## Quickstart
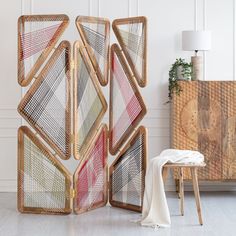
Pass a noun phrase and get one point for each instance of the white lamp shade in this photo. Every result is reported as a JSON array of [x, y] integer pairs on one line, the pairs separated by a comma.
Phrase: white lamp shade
[[196, 40]]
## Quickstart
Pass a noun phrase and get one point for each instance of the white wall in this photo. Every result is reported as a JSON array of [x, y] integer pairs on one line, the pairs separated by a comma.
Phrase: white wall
[[166, 20]]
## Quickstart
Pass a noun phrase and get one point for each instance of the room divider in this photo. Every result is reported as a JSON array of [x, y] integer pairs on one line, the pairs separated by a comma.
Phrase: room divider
[[64, 106]]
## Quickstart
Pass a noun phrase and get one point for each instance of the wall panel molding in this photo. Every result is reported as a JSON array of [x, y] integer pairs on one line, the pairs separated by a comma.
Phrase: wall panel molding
[[234, 38], [4, 137], [158, 116], [195, 14], [129, 8], [204, 28], [137, 5], [132, 8], [98, 10], [90, 7], [94, 8]]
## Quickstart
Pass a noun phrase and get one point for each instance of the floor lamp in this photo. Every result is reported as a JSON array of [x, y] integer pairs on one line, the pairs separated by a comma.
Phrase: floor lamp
[[196, 41]]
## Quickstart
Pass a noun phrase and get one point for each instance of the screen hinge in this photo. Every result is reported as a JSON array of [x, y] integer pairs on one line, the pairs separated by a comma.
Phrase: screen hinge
[[72, 64], [72, 138], [72, 193]]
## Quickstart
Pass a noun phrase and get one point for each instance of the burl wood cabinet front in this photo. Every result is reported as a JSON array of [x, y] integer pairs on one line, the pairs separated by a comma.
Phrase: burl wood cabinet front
[[203, 118]]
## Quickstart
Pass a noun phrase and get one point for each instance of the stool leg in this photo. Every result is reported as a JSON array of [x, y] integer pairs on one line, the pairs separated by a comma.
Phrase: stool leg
[[177, 186], [164, 173], [196, 193], [177, 181], [181, 190]]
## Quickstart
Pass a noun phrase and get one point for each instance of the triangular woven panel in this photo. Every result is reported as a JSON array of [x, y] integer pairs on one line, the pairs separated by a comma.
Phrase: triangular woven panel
[[131, 34], [127, 173], [37, 36], [46, 105], [89, 102], [127, 108], [43, 182], [90, 179], [95, 34]]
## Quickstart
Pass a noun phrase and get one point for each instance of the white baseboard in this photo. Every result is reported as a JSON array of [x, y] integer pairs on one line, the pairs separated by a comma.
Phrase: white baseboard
[[8, 185], [205, 186], [11, 186]]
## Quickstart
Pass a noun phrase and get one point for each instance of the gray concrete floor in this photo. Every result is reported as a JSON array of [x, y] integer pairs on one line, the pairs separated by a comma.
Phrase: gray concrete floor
[[218, 208]]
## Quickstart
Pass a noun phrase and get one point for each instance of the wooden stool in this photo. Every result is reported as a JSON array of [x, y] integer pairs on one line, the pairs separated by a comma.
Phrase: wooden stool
[[193, 169]]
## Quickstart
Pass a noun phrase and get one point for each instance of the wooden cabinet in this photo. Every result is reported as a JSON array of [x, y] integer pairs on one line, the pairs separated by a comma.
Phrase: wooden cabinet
[[204, 119]]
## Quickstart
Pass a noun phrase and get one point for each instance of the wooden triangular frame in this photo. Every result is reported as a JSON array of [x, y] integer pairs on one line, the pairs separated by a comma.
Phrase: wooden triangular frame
[[114, 149], [87, 156], [141, 78], [79, 50], [25, 79], [25, 131], [102, 77], [64, 45], [141, 131]]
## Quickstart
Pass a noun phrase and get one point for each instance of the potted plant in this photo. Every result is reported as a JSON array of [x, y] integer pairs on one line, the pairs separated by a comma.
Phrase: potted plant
[[180, 70]]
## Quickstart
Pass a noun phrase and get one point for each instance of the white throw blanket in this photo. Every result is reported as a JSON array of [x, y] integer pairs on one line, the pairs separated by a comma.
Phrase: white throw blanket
[[155, 209]]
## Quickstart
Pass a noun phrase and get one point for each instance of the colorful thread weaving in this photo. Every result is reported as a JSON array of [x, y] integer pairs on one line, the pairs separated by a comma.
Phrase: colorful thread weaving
[[91, 176], [43, 183], [90, 104], [37, 35], [126, 104], [127, 173], [95, 34], [46, 106], [131, 34]]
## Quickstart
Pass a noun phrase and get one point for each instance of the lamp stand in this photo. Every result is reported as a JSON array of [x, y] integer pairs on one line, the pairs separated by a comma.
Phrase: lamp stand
[[197, 67]]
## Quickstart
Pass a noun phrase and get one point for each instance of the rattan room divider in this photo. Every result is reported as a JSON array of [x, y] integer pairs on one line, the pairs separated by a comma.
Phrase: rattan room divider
[[65, 105]]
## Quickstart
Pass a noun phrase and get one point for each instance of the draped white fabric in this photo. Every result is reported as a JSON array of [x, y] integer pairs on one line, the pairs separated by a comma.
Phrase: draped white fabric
[[155, 209]]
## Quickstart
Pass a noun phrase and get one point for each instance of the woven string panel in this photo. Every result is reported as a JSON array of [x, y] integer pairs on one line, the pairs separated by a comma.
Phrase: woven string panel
[[43, 183], [95, 35], [37, 35], [127, 108], [127, 173], [90, 179], [89, 102], [204, 120], [131, 34], [46, 105]]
